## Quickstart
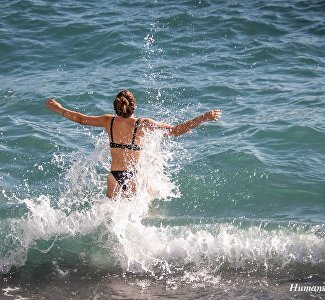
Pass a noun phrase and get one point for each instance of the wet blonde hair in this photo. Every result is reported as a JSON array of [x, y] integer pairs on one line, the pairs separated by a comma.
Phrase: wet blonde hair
[[124, 104]]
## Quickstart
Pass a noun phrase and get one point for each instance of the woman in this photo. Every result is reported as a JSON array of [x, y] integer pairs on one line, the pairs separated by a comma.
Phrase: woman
[[126, 135]]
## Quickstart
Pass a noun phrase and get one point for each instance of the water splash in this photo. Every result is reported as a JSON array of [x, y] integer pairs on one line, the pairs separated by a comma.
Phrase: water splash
[[81, 207], [119, 235]]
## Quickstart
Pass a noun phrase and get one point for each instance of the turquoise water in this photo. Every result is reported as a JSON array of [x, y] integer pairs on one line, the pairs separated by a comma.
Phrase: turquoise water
[[244, 195]]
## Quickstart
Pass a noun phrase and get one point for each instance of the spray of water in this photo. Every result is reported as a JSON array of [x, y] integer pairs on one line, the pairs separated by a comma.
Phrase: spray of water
[[120, 235], [81, 206]]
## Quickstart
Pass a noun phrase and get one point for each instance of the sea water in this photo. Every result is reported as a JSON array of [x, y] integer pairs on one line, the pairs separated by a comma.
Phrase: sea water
[[233, 210]]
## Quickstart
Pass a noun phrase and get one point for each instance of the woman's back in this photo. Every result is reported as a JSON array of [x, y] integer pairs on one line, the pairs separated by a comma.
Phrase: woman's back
[[125, 142]]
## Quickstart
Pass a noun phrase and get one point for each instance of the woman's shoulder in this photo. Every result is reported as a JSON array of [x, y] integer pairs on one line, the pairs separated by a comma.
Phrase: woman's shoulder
[[151, 124], [107, 117], [146, 122]]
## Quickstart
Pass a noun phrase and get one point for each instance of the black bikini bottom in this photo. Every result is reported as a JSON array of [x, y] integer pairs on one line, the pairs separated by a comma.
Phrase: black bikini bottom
[[122, 177]]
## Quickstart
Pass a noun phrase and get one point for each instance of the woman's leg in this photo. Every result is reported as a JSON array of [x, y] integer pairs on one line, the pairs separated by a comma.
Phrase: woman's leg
[[113, 186]]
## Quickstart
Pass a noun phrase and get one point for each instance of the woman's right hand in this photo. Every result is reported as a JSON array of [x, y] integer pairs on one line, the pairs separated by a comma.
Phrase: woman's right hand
[[213, 115]]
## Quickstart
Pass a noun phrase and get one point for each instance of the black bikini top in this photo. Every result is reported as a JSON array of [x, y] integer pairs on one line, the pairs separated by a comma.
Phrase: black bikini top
[[131, 146]]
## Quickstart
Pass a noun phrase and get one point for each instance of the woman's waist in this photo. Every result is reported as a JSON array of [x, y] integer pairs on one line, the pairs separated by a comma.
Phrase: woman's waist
[[123, 166]]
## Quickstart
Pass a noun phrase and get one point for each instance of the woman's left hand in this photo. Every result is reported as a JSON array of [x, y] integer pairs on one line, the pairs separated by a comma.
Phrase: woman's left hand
[[54, 106]]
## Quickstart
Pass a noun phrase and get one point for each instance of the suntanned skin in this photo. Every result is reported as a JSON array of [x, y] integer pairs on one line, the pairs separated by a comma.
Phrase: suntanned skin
[[124, 159]]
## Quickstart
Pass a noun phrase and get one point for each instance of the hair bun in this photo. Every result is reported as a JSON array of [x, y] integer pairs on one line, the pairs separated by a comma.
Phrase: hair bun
[[124, 104], [124, 101]]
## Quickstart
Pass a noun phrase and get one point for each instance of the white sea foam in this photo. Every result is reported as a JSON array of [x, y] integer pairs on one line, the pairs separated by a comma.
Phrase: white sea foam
[[145, 248]]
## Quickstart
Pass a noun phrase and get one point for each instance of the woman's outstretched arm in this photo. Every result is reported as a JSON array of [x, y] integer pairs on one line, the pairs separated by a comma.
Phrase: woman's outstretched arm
[[99, 121], [176, 130]]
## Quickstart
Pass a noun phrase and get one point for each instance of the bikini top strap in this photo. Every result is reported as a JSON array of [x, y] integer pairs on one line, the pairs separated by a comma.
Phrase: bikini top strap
[[112, 129], [135, 130]]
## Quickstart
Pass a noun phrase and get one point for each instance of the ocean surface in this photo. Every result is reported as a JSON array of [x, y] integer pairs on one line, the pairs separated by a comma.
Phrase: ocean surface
[[233, 210]]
